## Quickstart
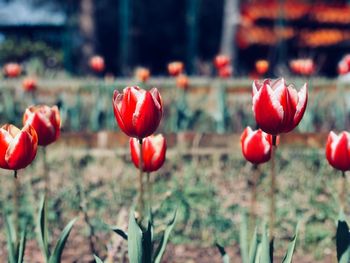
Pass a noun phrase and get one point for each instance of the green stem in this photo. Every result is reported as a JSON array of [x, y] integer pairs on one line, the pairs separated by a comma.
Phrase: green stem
[[141, 189], [256, 176], [16, 186], [150, 191], [273, 189], [46, 173], [342, 196]]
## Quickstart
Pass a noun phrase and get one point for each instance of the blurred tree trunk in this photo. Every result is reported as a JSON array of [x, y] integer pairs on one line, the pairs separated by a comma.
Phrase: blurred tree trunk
[[87, 31], [229, 27]]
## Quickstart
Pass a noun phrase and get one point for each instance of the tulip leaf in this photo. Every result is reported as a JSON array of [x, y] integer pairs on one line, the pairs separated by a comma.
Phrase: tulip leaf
[[120, 232], [162, 245], [57, 252], [253, 250], [265, 256], [11, 239], [21, 247], [134, 240], [289, 255], [343, 240], [97, 259], [147, 243], [243, 237], [224, 256], [43, 228]]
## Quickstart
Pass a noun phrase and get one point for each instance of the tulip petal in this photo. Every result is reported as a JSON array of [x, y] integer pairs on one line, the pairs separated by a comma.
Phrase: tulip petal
[[337, 151], [268, 110], [301, 106], [5, 139]]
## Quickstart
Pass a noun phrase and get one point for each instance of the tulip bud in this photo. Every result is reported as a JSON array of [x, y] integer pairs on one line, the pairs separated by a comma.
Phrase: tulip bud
[[256, 145], [46, 122], [221, 61], [138, 112], [142, 74], [17, 147], [97, 64], [12, 70], [29, 84], [278, 108], [175, 68], [153, 152], [338, 150]]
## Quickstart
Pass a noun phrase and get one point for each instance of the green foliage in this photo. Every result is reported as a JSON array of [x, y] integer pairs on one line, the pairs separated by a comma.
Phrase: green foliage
[[55, 255], [343, 240], [141, 241], [15, 247]]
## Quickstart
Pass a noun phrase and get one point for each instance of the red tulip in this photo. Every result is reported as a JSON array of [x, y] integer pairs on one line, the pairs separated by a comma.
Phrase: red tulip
[[137, 111], [261, 66], [343, 68], [142, 74], [225, 72], [175, 68], [278, 108], [97, 63], [29, 84], [256, 145], [17, 147], [338, 150], [221, 61], [153, 152], [302, 66], [46, 122], [182, 82], [12, 70]]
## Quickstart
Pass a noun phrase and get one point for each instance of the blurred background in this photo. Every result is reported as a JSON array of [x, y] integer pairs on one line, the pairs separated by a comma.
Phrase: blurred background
[[129, 33]]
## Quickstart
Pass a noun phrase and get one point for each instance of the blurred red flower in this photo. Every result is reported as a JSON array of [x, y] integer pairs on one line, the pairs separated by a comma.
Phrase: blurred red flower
[[12, 70], [153, 152], [221, 61], [262, 66], [138, 112], [45, 120], [304, 67], [142, 74], [225, 72], [97, 64], [278, 108], [256, 145], [182, 81], [338, 150], [175, 68], [29, 84], [17, 147]]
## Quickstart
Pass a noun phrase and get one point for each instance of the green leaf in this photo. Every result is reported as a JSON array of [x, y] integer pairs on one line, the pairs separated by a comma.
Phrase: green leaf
[[57, 252], [11, 239], [97, 259], [22, 245], [43, 228], [243, 238], [162, 245], [147, 243], [120, 232], [265, 247], [289, 255], [224, 256], [134, 240], [253, 250], [343, 240]]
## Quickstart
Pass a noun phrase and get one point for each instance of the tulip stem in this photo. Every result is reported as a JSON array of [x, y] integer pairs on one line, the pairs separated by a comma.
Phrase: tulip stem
[[273, 189], [46, 173], [16, 205], [256, 176], [342, 196], [141, 190], [150, 191]]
